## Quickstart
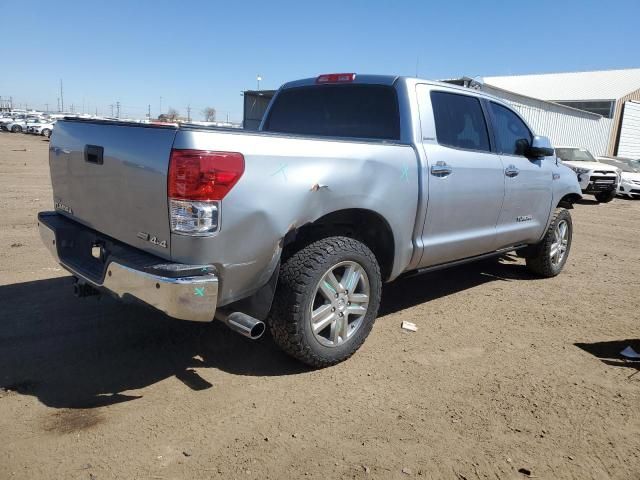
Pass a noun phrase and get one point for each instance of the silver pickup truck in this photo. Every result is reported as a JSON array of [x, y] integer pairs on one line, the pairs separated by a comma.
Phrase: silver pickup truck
[[352, 181]]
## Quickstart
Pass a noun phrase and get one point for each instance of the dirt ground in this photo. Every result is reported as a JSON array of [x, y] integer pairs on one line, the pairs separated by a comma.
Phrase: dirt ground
[[506, 371]]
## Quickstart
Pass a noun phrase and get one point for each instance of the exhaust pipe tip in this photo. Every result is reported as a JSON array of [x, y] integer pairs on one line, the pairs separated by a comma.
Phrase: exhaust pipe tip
[[243, 324]]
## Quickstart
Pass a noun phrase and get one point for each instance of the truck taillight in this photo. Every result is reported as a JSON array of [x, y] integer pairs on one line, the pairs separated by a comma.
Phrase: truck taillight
[[198, 180], [336, 78], [203, 175]]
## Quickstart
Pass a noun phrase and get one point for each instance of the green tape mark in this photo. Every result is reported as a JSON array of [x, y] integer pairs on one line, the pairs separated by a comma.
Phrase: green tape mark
[[405, 173], [199, 291], [283, 167]]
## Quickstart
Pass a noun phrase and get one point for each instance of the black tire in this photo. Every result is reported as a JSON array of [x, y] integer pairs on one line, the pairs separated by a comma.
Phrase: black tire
[[16, 129], [46, 132], [539, 259], [605, 197], [300, 275]]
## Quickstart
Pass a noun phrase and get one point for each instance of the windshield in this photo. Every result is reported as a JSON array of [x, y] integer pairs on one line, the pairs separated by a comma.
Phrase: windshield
[[574, 155], [631, 166]]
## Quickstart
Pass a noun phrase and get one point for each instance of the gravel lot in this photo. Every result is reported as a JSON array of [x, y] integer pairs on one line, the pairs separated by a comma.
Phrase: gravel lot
[[506, 371]]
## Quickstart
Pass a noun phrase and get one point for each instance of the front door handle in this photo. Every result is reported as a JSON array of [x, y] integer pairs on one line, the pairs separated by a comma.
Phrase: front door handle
[[511, 171], [441, 169]]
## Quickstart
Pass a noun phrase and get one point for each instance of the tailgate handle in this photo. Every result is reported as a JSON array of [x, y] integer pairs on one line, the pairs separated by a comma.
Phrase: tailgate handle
[[94, 154]]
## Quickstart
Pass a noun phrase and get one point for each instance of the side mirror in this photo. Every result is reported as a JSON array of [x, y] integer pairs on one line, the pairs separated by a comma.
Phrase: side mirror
[[540, 147]]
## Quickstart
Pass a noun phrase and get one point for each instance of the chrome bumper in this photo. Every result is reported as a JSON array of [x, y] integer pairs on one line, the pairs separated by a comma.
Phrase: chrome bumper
[[185, 298]]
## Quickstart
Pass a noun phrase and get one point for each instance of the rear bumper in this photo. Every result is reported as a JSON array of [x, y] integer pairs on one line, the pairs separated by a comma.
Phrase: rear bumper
[[127, 272]]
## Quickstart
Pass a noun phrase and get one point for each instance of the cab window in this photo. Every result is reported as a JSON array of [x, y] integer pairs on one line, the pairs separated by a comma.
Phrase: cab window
[[459, 121], [512, 135]]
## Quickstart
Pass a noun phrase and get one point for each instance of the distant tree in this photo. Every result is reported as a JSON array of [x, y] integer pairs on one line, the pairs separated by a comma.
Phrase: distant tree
[[172, 114], [209, 114]]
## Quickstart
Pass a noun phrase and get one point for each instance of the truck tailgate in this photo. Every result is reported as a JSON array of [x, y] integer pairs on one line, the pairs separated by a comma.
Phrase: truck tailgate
[[112, 177]]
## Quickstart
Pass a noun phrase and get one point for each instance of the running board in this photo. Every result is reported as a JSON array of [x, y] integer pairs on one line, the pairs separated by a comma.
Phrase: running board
[[455, 263]]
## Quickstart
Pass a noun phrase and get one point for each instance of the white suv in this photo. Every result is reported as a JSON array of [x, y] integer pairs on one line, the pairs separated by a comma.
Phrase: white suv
[[595, 178]]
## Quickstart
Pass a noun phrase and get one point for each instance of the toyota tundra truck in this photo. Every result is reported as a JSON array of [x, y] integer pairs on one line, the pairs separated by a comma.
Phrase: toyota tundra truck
[[351, 181]]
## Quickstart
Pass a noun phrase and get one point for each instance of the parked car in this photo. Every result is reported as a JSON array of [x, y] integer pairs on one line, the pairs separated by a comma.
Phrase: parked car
[[43, 129], [352, 181], [629, 185], [595, 178], [19, 126], [9, 118]]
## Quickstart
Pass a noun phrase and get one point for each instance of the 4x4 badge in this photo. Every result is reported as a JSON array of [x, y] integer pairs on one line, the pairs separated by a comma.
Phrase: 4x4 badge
[[152, 239]]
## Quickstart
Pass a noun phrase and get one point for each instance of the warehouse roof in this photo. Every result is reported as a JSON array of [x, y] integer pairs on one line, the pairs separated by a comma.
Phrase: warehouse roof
[[596, 85]]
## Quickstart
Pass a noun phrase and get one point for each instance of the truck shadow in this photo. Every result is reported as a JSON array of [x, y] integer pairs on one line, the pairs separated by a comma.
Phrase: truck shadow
[[72, 353]]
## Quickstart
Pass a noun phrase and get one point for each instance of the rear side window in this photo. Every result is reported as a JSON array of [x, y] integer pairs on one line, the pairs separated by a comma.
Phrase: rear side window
[[357, 111], [460, 122], [512, 135]]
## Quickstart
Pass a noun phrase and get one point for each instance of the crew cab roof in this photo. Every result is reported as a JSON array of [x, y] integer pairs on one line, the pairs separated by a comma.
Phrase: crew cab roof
[[389, 80], [360, 79]]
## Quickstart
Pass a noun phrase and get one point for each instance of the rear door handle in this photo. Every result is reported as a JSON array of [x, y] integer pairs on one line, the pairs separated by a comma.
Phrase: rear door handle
[[511, 171], [441, 169]]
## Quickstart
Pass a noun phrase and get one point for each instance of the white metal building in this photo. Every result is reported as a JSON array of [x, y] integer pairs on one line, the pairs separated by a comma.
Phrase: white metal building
[[563, 125], [613, 94]]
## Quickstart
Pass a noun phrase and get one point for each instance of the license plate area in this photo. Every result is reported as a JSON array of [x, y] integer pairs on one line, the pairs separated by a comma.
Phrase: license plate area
[[84, 251]]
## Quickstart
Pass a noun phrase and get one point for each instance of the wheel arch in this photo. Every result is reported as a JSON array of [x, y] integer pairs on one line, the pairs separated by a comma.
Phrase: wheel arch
[[568, 200], [365, 225]]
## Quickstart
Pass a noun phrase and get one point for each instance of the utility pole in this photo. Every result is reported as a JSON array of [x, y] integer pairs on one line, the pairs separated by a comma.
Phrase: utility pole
[[258, 78], [111, 105], [96, 111], [149, 111], [117, 109], [58, 104], [188, 113], [61, 96], [46, 107], [227, 117]]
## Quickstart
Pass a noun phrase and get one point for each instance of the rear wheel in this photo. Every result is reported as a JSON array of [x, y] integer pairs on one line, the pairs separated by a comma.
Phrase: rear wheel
[[16, 129], [46, 132], [326, 301], [605, 197], [549, 256]]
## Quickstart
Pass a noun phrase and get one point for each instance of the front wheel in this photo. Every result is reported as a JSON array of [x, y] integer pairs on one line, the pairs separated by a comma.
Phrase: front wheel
[[46, 132], [326, 301], [605, 197], [549, 256], [16, 129]]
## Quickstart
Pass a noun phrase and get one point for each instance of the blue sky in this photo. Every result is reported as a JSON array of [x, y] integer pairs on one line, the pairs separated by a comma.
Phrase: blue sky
[[204, 53]]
